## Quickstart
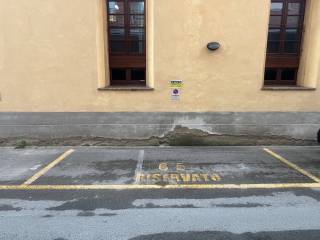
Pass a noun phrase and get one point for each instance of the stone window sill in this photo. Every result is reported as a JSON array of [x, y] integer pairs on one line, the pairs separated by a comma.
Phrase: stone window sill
[[287, 88], [126, 88]]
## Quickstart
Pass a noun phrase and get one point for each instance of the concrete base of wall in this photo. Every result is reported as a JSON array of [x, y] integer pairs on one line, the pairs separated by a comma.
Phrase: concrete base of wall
[[296, 125]]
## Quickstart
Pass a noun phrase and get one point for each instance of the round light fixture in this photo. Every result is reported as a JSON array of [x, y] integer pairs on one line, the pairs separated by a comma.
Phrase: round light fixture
[[212, 46]]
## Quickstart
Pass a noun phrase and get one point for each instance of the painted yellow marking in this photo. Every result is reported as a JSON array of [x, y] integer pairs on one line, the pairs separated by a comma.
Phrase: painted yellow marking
[[163, 167], [186, 178], [48, 167], [216, 178], [292, 165], [180, 167], [144, 187]]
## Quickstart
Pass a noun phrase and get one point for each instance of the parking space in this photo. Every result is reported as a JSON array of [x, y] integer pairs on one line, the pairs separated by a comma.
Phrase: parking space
[[19, 165], [223, 165], [127, 168], [308, 158], [94, 166]]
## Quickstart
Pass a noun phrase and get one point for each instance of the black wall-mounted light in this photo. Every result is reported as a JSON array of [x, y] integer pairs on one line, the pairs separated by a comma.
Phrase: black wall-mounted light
[[213, 46]]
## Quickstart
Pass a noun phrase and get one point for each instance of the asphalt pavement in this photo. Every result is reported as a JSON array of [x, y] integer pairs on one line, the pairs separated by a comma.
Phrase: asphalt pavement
[[207, 193]]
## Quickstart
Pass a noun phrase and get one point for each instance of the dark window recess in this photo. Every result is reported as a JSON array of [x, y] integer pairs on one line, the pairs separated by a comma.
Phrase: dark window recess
[[285, 74], [127, 42], [284, 41], [288, 74], [118, 74], [270, 74], [138, 74]]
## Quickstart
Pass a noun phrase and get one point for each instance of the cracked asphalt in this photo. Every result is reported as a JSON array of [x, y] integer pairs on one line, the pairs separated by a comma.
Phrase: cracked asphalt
[[151, 214]]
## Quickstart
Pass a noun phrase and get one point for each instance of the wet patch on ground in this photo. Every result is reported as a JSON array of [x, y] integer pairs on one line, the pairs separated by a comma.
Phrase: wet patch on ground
[[86, 214], [7, 207], [286, 235], [107, 214]]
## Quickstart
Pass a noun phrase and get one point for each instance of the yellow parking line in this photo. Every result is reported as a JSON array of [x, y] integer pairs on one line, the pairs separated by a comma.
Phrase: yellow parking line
[[48, 167], [146, 187], [292, 165]]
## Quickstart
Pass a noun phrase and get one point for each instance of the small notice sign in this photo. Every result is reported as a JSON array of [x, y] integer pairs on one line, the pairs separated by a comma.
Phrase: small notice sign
[[176, 88], [175, 94], [176, 83]]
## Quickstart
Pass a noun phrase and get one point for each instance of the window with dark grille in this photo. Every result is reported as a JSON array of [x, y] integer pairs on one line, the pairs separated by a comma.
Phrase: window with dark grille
[[284, 41], [127, 41]]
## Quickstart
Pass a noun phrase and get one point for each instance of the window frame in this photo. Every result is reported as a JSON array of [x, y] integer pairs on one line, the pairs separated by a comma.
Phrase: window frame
[[127, 60], [281, 60]]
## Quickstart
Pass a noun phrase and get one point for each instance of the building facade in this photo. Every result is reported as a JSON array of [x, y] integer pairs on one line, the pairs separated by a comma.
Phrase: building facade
[[140, 68]]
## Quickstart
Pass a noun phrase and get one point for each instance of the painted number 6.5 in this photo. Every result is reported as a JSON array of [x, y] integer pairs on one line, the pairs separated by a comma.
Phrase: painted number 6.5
[[164, 167]]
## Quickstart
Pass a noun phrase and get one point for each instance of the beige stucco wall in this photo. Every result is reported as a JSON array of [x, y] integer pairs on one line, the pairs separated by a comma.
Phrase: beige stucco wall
[[52, 57]]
